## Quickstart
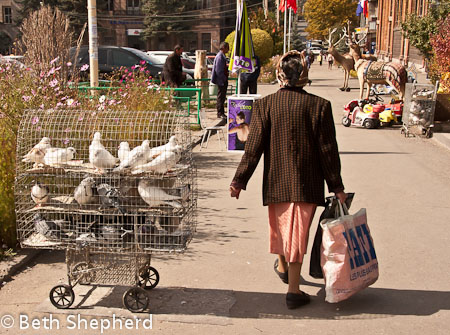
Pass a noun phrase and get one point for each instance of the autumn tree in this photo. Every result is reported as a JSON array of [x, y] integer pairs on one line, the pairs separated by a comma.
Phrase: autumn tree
[[441, 49], [269, 24], [324, 14], [159, 17]]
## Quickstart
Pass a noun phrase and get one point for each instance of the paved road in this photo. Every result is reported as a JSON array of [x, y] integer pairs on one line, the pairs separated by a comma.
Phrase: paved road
[[225, 283]]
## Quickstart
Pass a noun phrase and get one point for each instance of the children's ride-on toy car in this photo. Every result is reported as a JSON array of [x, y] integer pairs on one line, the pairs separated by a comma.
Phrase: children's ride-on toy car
[[357, 114]]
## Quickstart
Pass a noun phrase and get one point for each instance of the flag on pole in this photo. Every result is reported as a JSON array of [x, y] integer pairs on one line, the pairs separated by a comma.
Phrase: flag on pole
[[290, 4], [243, 52], [363, 8]]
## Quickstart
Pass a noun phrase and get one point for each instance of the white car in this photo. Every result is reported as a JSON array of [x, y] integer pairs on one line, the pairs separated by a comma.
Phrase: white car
[[315, 50]]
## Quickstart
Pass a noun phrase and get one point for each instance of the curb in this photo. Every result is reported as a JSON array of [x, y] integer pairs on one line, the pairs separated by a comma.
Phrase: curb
[[17, 263], [442, 139]]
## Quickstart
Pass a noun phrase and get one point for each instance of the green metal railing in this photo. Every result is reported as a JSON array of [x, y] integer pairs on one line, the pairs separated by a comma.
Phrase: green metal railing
[[182, 94]]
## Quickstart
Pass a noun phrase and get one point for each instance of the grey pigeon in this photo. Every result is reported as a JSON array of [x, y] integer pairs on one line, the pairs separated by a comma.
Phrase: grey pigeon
[[52, 229], [110, 196]]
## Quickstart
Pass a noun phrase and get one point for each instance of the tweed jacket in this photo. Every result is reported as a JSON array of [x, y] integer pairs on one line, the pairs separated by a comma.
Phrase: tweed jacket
[[295, 131]]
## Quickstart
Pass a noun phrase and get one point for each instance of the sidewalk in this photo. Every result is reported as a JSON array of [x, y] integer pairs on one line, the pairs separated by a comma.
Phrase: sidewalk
[[225, 284]]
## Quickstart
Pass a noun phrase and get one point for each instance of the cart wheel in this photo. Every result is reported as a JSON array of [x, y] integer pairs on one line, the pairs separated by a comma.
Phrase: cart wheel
[[135, 299], [149, 278], [429, 133], [62, 296], [85, 277]]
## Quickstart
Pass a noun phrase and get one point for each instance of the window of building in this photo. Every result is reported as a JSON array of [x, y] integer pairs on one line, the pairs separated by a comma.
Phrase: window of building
[[110, 5], [398, 12], [206, 42], [419, 7], [133, 7], [203, 4], [7, 15]]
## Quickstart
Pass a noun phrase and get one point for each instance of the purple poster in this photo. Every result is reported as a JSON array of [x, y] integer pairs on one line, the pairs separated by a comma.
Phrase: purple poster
[[239, 116]]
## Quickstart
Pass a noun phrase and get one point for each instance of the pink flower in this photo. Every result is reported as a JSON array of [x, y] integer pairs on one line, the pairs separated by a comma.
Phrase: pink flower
[[84, 67], [142, 69], [67, 130], [133, 67], [54, 60], [34, 120], [26, 98], [69, 63], [41, 106], [53, 83], [142, 62], [66, 141], [80, 118]]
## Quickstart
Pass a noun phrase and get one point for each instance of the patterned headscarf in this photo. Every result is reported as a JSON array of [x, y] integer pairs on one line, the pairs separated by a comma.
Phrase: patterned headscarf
[[281, 76]]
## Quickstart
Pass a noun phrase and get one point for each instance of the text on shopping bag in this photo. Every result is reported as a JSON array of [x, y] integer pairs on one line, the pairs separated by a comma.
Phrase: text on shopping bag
[[360, 246]]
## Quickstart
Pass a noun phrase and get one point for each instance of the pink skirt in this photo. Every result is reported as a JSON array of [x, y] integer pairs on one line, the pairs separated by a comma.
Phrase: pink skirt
[[289, 229]]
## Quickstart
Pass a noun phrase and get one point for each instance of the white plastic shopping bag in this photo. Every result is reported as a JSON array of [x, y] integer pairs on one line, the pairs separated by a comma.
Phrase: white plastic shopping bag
[[348, 259]]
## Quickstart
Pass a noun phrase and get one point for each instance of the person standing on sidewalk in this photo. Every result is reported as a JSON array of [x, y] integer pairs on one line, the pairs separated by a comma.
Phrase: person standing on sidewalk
[[249, 80], [295, 131], [173, 68], [330, 60], [219, 76]]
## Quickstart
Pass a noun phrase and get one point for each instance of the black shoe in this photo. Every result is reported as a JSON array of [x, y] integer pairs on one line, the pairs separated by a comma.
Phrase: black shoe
[[283, 276], [221, 116], [294, 300]]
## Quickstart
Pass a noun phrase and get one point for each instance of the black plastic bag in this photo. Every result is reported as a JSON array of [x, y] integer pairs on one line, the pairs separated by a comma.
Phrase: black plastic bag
[[315, 269]]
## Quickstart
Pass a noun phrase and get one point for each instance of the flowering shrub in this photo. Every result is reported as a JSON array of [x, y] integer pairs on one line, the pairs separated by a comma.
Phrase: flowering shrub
[[441, 50], [22, 89], [268, 74]]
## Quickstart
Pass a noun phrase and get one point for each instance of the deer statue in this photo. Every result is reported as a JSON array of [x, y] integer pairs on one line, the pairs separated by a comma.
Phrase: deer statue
[[371, 72], [346, 60]]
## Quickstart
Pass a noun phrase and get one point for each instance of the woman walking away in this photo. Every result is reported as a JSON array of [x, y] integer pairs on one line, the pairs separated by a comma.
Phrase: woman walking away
[[295, 131]]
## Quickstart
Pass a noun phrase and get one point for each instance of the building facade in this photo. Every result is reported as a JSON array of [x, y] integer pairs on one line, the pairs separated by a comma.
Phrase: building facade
[[8, 28], [390, 42], [122, 24]]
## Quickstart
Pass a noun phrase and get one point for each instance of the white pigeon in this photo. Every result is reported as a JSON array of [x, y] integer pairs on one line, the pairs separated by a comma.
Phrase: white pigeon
[[169, 146], [137, 156], [39, 193], [124, 151], [55, 156], [161, 164], [99, 157], [155, 196], [36, 155], [84, 193]]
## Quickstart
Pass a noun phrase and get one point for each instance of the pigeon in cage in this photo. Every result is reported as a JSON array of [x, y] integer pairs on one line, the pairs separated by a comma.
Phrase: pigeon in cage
[[110, 197], [52, 229], [56, 156], [124, 151], [162, 163], [169, 146], [85, 192], [99, 157], [155, 196], [36, 155], [137, 156], [39, 193]]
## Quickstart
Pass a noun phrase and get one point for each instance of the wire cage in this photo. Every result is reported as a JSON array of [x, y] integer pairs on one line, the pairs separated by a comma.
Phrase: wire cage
[[72, 189], [418, 114], [111, 188]]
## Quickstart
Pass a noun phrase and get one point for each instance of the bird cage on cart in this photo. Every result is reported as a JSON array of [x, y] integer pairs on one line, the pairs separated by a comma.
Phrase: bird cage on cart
[[418, 113], [109, 187]]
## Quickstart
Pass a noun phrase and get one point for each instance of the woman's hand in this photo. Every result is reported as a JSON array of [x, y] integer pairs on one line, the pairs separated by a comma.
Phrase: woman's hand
[[234, 192], [342, 196]]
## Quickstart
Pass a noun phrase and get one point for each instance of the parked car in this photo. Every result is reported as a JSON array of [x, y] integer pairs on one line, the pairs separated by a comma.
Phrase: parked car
[[315, 50], [111, 58], [14, 60]]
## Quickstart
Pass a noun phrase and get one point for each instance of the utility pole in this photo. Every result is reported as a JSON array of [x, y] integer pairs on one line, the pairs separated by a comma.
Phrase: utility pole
[[93, 42]]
